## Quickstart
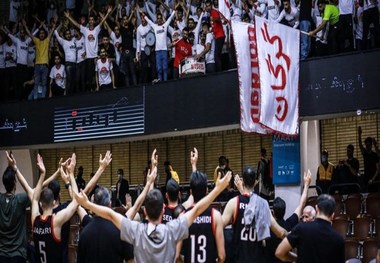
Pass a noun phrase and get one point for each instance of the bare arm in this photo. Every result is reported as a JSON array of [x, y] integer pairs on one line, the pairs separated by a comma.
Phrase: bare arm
[[306, 184], [202, 205], [284, 253], [103, 164], [72, 21], [194, 159], [277, 229], [37, 191], [151, 176], [362, 149], [219, 236], [229, 212]]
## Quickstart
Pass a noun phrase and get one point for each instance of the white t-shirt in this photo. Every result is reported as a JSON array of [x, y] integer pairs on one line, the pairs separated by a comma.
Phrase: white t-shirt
[[273, 10], [31, 56], [90, 40], [59, 75], [161, 32], [359, 25], [79, 43], [292, 18], [104, 71], [69, 47], [346, 7], [12, 51], [141, 33], [21, 49], [209, 57]]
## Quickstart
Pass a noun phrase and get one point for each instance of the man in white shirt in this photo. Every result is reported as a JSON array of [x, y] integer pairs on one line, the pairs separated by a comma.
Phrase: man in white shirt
[[160, 30], [80, 77], [142, 56], [70, 49], [22, 43], [105, 78], [57, 79], [90, 34], [290, 14]]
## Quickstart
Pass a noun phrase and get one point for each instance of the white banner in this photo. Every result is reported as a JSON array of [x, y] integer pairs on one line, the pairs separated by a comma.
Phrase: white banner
[[249, 78], [278, 56], [224, 8]]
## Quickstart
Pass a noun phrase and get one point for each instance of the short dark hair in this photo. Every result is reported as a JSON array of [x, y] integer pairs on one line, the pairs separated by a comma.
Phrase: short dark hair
[[368, 140], [153, 204], [326, 204], [351, 147], [279, 207], [249, 176], [55, 188], [198, 185], [9, 179], [172, 189], [46, 198], [102, 196]]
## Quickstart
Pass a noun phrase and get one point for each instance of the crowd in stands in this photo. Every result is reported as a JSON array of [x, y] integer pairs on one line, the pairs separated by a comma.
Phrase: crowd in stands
[[47, 49]]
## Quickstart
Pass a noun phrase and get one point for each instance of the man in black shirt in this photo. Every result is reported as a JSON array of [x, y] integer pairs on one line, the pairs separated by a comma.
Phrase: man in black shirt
[[128, 52], [347, 172], [315, 241], [100, 239]]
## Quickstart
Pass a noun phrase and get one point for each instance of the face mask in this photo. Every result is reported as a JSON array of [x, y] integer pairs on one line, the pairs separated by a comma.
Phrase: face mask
[[324, 159]]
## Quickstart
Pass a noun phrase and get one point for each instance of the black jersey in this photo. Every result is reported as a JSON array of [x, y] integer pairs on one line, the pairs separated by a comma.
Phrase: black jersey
[[245, 247], [48, 246], [200, 246], [168, 214]]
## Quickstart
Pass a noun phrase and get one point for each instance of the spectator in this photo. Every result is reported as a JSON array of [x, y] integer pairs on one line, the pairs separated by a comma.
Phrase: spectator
[[80, 79], [68, 44], [330, 16], [22, 43], [90, 34], [346, 13], [183, 49], [371, 160], [325, 172], [105, 78], [122, 188], [289, 15], [308, 214], [2, 67], [217, 29], [10, 55], [128, 53], [41, 65], [358, 23], [143, 57], [305, 26], [160, 30], [316, 241], [347, 171], [116, 41], [170, 172], [266, 187], [370, 16], [57, 86]]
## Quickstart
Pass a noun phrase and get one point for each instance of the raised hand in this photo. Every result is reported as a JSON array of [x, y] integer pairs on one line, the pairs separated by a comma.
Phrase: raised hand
[[154, 159], [72, 163], [223, 182], [11, 160], [40, 164], [238, 183], [106, 160], [81, 198], [194, 156], [65, 177], [307, 178]]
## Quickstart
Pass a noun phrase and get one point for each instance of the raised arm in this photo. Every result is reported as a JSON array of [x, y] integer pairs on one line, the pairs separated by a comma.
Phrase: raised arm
[[170, 18], [27, 29], [140, 200], [37, 191], [75, 23], [109, 11], [219, 236], [360, 132], [306, 184], [12, 163], [194, 159], [64, 215], [103, 164], [284, 252], [202, 205]]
